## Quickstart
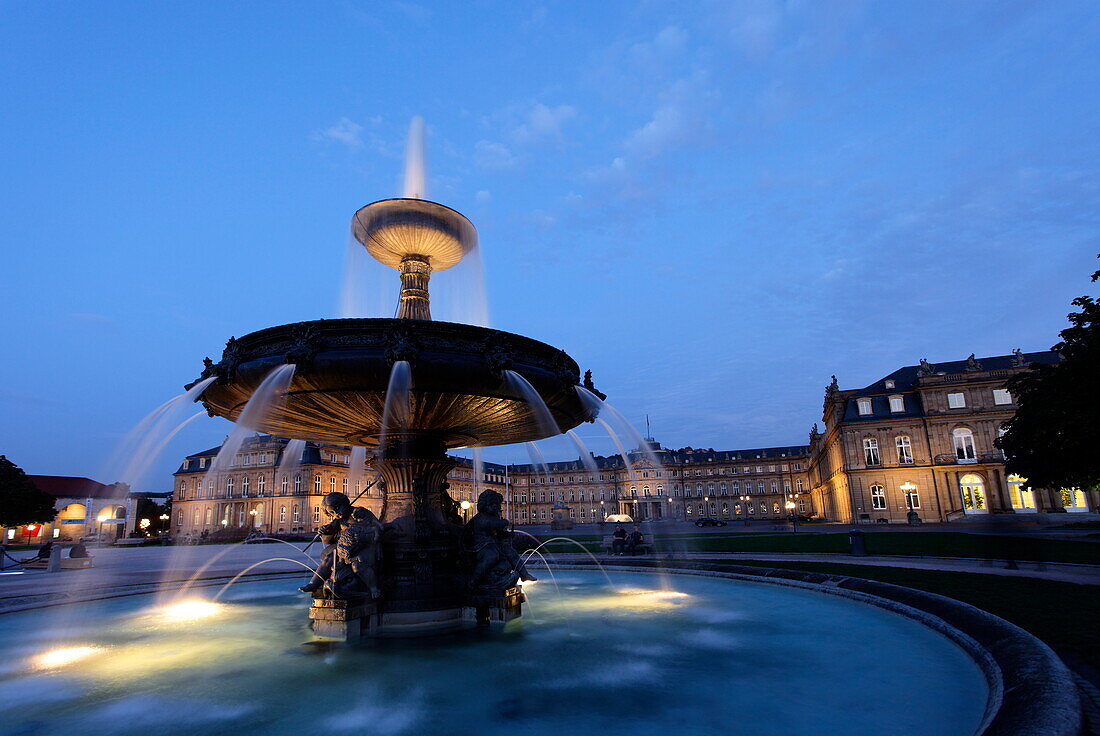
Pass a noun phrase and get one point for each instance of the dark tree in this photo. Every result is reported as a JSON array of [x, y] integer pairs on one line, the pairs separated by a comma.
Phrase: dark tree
[[21, 502], [1051, 439]]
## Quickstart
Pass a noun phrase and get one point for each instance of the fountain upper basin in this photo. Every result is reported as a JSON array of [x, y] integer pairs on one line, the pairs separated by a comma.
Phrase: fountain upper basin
[[459, 395]]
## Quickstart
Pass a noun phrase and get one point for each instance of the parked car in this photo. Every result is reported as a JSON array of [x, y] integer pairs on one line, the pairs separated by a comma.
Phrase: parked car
[[709, 522]]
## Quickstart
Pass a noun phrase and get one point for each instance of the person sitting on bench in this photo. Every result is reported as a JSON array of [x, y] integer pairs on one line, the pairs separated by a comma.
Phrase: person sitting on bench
[[633, 541], [43, 554], [618, 541]]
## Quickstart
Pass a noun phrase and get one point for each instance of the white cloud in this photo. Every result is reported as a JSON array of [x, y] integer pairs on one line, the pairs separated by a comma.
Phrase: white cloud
[[680, 118], [493, 155], [543, 124], [346, 132], [483, 196]]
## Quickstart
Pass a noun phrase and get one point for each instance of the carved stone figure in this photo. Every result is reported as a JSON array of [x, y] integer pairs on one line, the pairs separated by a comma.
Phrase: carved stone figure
[[1018, 358], [926, 368], [350, 560], [496, 564], [972, 363]]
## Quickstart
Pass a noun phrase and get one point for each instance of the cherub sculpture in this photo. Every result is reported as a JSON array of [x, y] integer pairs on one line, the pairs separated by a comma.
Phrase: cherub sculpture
[[351, 559], [496, 564]]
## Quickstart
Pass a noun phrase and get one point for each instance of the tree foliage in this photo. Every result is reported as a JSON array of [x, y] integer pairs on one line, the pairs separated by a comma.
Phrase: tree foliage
[[21, 501], [1051, 439]]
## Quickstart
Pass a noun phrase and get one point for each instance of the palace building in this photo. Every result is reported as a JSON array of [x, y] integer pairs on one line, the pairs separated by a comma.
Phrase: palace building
[[922, 439], [262, 489], [919, 440]]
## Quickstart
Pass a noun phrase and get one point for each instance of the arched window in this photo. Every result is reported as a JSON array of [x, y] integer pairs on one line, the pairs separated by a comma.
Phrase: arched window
[[229, 487], [878, 498], [972, 489], [297, 514], [797, 485], [964, 445], [244, 486], [282, 514], [905, 450]]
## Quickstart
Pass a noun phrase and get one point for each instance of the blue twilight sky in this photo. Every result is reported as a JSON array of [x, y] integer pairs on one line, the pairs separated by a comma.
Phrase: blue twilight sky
[[714, 206]]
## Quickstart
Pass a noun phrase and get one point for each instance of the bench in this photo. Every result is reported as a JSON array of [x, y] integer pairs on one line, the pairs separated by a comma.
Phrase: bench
[[645, 548]]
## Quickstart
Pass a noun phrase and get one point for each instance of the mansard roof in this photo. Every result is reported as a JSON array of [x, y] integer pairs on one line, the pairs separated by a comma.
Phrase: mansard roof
[[905, 378], [906, 381]]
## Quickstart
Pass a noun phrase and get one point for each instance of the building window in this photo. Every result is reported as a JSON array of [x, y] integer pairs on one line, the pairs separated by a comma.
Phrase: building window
[[1001, 396], [179, 518], [863, 406], [282, 514], [972, 489], [897, 404], [870, 452], [1022, 497], [964, 445], [798, 484], [209, 514], [905, 450], [317, 484], [888, 383], [316, 514], [261, 484], [229, 487], [956, 400], [763, 508], [801, 505], [244, 486], [297, 484], [331, 485], [912, 500], [878, 498], [297, 514], [1073, 499]]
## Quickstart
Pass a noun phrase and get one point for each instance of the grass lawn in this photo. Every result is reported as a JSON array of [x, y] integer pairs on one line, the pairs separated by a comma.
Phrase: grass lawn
[[931, 544]]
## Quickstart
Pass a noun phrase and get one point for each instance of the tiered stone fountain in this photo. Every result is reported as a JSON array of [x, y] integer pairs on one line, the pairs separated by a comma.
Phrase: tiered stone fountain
[[459, 397]]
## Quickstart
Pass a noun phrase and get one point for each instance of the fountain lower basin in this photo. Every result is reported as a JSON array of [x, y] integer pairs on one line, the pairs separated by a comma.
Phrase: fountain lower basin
[[648, 654], [459, 394]]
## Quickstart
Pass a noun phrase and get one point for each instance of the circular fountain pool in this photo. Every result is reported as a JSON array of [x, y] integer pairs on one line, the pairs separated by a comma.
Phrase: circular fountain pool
[[646, 654]]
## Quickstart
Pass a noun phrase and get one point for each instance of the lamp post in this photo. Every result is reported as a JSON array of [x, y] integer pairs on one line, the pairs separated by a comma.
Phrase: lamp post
[[252, 513], [745, 500], [790, 511], [910, 488], [465, 506]]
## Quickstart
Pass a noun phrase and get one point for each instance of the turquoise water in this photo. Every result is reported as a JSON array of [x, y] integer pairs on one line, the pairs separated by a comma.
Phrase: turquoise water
[[680, 654]]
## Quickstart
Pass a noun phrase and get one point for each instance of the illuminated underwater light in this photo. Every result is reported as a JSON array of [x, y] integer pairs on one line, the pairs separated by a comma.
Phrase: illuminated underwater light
[[63, 656], [189, 610]]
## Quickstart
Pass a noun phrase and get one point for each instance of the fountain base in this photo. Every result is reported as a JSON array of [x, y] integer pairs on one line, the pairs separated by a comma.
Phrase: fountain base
[[342, 620]]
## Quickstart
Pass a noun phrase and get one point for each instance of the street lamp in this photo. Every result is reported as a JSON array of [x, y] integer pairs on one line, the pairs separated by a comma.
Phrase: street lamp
[[790, 511], [745, 500], [910, 490], [465, 506]]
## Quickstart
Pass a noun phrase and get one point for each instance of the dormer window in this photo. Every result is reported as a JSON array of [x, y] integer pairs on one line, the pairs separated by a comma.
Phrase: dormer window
[[888, 384], [897, 404], [864, 407], [956, 400]]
